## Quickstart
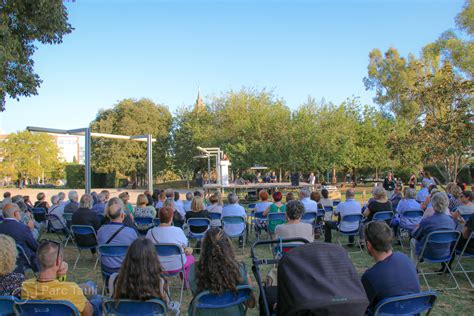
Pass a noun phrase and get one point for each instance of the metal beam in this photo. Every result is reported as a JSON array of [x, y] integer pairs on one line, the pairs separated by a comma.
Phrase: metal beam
[[87, 176], [149, 160]]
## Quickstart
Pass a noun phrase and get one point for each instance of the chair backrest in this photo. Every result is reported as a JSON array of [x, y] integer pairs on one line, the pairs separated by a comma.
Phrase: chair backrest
[[309, 216], [412, 214], [251, 206], [6, 305], [144, 220], [22, 253], [206, 300], [276, 216], [113, 250], [382, 216], [336, 202], [351, 218], [83, 230], [130, 307], [55, 222], [441, 237], [67, 216], [198, 222], [47, 308], [215, 216], [260, 216], [466, 217], [412, 304], [39, 214], [156, 222], [328, 208]]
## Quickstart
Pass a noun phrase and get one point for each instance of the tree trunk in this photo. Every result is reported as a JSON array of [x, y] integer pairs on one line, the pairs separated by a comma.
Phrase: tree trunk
[[354, 176], [334, 178]]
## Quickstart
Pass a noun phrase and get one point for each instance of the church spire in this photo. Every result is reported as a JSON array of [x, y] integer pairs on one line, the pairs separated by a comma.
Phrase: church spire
[[199, 104]]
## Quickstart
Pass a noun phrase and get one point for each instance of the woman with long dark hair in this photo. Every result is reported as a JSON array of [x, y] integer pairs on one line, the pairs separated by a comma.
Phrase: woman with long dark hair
[[218, 271], [140, 276]]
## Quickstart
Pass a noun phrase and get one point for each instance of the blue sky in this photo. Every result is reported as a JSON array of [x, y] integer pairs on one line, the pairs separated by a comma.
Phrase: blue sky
[[165, 50]]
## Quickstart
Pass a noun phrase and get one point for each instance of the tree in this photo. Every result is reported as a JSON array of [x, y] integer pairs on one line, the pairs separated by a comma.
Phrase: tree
[[22, 23], [131, 117], [28, 156]]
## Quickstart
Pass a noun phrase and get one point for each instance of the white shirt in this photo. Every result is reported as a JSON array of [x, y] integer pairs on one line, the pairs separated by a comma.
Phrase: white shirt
[[349, 207], [169, 235], [310, 206], [234, 210], [187, 206], [179, 207], [422, 195], [262, 206]]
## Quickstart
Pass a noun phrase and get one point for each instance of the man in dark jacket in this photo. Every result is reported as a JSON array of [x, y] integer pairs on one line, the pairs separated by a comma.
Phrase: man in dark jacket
[[22, 235], [85, 216]]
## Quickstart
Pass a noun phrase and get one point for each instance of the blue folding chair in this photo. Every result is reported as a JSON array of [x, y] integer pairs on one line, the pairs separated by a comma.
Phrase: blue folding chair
[[129, 307], [156, 222], [276, 217], [233, 221], [143, 224], [328, 209], [466, 217], [216, 217], [171, 250], [464, 254], [6, 305], [412, 304], [110, 251], [46, 308], [207, 301], [350, 219], [335, 202], [22, 254], [83, 230], [195, 223], [58, 227], [39, 214], [260, 223], [68, 218], [413, 215], [309, 217], [251, 207], [383, 216], [446, 238]]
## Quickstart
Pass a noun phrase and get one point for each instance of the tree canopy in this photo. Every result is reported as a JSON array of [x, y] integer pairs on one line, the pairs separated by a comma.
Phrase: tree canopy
[[22, 23]]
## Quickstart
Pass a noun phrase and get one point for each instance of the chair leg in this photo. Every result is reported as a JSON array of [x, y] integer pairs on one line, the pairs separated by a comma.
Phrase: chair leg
[[453, 277], [464, 271], [77, 259], [96, 262], [424, 278]]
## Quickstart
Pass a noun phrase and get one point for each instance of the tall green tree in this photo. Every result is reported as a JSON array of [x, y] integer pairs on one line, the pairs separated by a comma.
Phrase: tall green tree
[[131, 117], [23, 23], [29, 156]]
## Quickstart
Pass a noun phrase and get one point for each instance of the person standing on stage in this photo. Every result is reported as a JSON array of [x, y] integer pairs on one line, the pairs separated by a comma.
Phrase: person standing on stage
[[389, 185]]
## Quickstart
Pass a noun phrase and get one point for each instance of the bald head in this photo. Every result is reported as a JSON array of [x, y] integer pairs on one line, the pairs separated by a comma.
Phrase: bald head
[[114, 212], [11, 210]]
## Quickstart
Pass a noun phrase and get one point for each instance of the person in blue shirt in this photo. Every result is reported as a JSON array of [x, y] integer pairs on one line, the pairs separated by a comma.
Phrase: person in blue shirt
[[438, 221], [393, 274], [115, 233]]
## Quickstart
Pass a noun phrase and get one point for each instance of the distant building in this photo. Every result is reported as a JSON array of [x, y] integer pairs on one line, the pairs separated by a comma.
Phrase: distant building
[[199, 105], [71, 147]]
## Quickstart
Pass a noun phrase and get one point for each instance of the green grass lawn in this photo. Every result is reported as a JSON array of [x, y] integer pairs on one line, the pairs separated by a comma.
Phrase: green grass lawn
[[452, 302]]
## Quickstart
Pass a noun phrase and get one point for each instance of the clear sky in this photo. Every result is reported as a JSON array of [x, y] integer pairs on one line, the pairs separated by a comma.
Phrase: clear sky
[[165, 50]]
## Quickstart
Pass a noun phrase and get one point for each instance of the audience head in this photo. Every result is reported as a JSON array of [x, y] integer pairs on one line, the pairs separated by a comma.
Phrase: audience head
[[140, 275], [26, 199], [198, 193], [432, 187], [124, 196], [170, 203], [456, 192], [440, 202], [232, 198], [107, 194], [7, 195], [197, 204], [55, 200], [86, 201], [217, 270], [22, 205], [61, 196], [73, 196], [17, 198], [304, 193], [466, 197], [115, 213], [11, 210], [294, 210], [378, 237], [263, 195], [315, 196], [176, 195], [398, 188], [166, 214], [8, 254], [325, 193], [424, 184], [189, 196], [101, 198], [410, 194], [142, 200], [277, 196], [169, 193], [50, 256], [290, 196], [162, 196], [213, 199], [350, 193], [41, 196], [156, 194], [114, 201], [379, 193]]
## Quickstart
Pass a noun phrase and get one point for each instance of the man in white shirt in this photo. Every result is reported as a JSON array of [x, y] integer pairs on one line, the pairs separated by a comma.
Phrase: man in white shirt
[[349, 207], [423, 193], [310, 206], [234, 209]]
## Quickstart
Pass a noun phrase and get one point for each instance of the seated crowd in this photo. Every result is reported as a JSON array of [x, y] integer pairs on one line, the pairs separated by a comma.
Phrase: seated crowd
[[141, 275]]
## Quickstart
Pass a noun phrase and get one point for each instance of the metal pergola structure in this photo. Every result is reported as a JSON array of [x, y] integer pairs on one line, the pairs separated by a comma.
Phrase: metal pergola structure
[[209, 152], [86, 132]]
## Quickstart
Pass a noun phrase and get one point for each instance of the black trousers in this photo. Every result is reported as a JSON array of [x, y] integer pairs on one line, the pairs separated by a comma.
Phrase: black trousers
[[328, 227]]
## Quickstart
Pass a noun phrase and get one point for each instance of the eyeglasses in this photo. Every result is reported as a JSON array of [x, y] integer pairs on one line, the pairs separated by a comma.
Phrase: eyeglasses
[[48, 241]]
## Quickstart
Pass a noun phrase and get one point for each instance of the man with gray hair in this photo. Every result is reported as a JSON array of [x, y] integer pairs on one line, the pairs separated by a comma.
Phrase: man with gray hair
[[234, 209], [438, 221], [72, 205], [13, 227], [310, 206], [349, 207]]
